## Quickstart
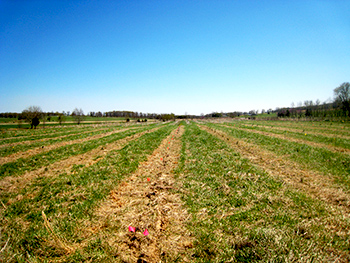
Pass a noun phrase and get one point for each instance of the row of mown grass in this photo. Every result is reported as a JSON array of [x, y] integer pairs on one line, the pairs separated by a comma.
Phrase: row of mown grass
[[336, 165], [8, 150], [45, 158], [302, 134], [336, 128], [69, 201], [241, 214], [12, 136]]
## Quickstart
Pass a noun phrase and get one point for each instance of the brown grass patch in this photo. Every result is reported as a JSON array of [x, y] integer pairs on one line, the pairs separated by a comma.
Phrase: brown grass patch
[[284, 137], [14, 184], [320, 131], [146, 200], [38, 150], [45, 139], [310, 182]]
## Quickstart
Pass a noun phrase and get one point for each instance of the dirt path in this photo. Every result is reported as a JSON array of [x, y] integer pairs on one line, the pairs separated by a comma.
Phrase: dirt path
[[145, 200], [310, 182], [284, 137], [38, 150], [14, 184]]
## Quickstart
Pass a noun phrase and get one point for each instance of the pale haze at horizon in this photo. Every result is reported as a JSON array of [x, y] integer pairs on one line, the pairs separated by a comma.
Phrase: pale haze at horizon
[[171, 56]]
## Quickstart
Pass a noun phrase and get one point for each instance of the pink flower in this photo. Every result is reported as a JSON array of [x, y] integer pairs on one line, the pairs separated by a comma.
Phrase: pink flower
[[131, 229], [145, 233]]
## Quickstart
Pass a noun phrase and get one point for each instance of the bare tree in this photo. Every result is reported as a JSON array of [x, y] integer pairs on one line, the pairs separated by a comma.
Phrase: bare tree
[[78, 115], [61, 118], [342, 96], [32, 115]]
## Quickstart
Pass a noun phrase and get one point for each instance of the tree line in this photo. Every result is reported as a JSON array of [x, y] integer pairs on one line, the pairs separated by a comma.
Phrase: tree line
[[338, 108]]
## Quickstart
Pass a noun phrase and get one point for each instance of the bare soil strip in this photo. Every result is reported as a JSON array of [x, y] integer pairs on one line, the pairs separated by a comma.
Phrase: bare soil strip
[[145, 200], [310, 182], [283, 137], [47, 139], [15, 156], [14, 184]]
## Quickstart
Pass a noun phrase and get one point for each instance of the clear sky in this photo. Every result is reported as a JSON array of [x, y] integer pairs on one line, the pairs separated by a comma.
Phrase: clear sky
[[171, 56]]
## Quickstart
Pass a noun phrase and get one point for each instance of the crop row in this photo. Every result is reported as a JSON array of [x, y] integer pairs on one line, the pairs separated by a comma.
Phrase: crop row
[[334, 164], [239, 211], [68, 199]]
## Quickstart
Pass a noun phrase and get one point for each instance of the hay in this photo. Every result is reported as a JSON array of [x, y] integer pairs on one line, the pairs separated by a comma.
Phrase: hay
[[59, 243], [310, 182], [151, 205]]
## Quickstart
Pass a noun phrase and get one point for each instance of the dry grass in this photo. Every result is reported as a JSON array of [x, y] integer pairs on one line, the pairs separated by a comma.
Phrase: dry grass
[[313, 144], [32, 152], [312, 183], [145, 200], [14, 184], [56, 242]]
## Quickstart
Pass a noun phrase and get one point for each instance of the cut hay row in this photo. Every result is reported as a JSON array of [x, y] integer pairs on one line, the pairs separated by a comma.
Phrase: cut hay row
[[204, 192], [313, 131], [331, 164], [50, 147], [310, 182], [29, 134], [15, 184], [322, 127], [240, 213], [21, 165], [48, 219], [289, 138], [145, 200], [50, 138]]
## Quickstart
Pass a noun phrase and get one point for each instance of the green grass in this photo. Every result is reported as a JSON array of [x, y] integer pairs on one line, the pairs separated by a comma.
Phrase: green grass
[[240, 214], [313, 158], [11, 123], [22, 165], [304, 135], [68, 201], [38, 141], [31, 135]]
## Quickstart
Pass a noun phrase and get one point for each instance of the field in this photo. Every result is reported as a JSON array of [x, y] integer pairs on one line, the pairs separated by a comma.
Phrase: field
[[7, 123], [189, 191]]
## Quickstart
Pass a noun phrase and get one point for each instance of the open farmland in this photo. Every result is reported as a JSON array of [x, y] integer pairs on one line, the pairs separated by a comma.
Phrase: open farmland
[[238, 191]]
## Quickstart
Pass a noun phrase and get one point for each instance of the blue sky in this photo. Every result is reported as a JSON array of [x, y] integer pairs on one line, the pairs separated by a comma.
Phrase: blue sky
[[171, 56]]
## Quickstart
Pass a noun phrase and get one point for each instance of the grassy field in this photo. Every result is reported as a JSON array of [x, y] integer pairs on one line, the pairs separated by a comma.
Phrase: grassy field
[[10, 123], [239, 191]]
